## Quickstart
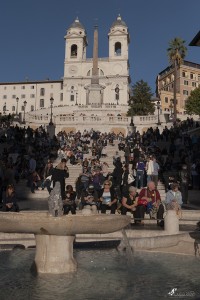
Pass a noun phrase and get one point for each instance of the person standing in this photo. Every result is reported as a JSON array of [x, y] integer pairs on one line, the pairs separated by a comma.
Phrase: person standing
[[156, 169], [184, 182], [126, 154], [149, 168], [140, 169], [59, 173]]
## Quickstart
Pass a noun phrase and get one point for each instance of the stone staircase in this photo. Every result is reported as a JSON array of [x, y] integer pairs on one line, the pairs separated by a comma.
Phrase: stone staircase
[[39, 200], [24, 193]]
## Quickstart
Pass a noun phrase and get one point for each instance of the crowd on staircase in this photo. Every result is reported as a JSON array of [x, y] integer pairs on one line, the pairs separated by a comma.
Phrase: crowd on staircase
[[105, 171]]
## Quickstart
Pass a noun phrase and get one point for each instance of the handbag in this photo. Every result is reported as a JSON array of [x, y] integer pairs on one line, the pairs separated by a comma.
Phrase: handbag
[[130, 178], [142, 202]]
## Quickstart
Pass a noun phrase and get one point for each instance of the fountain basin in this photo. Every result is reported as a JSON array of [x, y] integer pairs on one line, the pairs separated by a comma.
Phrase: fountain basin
[[44, 223], [54, 236]]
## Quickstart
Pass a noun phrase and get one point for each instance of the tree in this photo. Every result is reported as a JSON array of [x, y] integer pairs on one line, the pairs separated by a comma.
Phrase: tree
[[140, 100], [192, 104], [176, 53]]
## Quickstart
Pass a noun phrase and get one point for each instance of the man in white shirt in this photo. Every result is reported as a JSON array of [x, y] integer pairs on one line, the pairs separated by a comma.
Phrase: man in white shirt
[[156, 169]]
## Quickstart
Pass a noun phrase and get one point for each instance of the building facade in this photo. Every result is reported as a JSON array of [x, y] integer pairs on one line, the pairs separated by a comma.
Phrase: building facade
[[113, 74], [188, 78]]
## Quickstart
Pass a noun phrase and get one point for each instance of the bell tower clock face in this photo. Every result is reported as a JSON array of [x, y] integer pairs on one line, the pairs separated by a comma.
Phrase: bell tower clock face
[[73, 69]]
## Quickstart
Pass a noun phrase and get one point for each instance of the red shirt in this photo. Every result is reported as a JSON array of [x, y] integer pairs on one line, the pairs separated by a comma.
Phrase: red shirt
[[154, 195]]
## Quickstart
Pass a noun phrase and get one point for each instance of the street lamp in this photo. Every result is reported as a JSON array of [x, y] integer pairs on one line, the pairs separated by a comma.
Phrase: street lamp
[[24, 122], [4, 108], [158, 108], [117, 94], [17, 100], [51, 101], [76, 99], [131, 104], [171, 108]]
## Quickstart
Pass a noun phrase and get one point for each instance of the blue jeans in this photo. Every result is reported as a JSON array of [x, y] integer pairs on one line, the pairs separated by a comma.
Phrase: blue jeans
[[139, 178]]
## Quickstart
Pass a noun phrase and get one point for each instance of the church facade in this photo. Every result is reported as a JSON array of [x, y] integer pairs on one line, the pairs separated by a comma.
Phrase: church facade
[[73, 89]]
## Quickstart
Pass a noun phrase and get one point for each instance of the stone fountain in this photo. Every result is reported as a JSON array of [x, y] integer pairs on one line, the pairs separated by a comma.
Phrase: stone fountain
[[55, 233]]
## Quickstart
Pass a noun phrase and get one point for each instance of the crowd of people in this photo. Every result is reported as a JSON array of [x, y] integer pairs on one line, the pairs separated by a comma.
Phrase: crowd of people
[[132, 185]]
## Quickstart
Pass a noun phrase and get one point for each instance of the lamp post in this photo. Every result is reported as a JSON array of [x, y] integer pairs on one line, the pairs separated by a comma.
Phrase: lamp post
[[117, 94], [24, 121], [76, 99], [51, 101], [131, 104], [158, 108], [17, 100], [171, 108], [4, 108]]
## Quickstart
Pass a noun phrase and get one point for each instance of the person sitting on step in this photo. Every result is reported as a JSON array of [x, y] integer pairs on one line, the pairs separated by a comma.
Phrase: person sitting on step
[[69, 203], [149, 201], [89, 198], [108, 198], [130, 202]]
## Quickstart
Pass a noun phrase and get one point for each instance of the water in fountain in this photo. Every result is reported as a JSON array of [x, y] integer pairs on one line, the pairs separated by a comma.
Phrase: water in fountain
[[102, 274], [125, 245]]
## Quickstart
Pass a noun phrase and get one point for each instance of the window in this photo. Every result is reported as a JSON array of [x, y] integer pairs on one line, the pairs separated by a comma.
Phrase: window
[[61, 96], [41, 102], [32, 107], [118, 48], [32, 87], [185, 82], [194, 84], [61, 85], [22, 108], [5, 87], [185, 92], [32, 95], [42, 92], [183, 74], [71, 97], [23, 96], [4, 96], [191, 76], [51, 86], [13, 108], [14, 87], [198, 77], [13, 96], [74, 50], [23, 87], [117, 92], [166, 99]]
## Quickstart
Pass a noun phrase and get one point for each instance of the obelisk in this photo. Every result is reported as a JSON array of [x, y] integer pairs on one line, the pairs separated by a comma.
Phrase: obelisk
[[95, 75], [94, 94]]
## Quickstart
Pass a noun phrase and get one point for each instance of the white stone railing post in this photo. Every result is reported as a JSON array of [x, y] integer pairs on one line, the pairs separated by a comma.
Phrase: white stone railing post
[[171, 222]]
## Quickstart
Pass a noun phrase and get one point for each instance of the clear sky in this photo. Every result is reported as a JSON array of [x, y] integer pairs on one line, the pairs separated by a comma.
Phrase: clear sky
[[32, 34]]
